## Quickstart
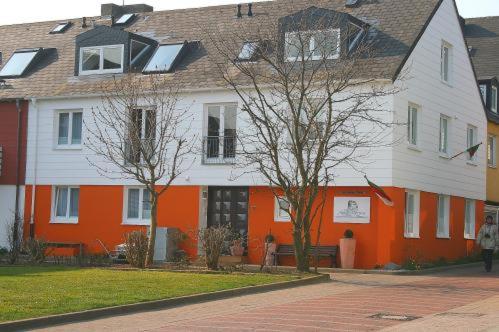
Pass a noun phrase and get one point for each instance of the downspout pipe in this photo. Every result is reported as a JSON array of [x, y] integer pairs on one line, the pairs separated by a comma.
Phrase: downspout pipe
[[34, 106], [17, 218]]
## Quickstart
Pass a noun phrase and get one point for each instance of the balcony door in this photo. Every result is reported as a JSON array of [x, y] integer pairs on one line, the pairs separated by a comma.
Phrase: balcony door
[[220, 133]]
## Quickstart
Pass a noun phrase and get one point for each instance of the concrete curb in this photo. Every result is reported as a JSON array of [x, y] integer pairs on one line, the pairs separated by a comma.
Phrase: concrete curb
[[405, 272], [47, 321]]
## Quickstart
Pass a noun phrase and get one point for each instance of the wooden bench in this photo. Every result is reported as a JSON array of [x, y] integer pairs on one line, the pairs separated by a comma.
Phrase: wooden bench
[[74, 245], [322, 251]]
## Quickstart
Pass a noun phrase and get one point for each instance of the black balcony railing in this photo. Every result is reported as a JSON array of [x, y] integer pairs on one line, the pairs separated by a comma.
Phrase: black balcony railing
[[219, 149]]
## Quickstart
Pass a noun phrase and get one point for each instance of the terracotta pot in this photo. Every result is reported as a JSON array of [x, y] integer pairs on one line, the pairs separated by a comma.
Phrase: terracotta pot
[[236, 250], [347, 253], [270, 248]]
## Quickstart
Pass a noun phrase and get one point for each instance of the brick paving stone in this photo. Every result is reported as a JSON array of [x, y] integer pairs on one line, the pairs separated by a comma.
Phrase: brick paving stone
[[466, 299]]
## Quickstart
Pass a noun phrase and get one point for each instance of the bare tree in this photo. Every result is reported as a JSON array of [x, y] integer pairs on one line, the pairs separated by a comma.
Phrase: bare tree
[[140, 133], [309, 102]]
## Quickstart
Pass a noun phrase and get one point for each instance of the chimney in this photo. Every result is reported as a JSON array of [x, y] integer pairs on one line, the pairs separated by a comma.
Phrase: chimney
[[250, 11], [83, 22], [239, 14], [111, 9]]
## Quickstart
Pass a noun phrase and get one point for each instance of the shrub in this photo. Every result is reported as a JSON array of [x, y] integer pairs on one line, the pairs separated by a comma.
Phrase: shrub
[[36, 250], [213, 240], [14, 239], [348, 234], [136, 248]]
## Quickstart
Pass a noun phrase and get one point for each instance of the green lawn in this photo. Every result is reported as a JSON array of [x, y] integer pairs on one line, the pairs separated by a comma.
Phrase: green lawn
[[27, 292]]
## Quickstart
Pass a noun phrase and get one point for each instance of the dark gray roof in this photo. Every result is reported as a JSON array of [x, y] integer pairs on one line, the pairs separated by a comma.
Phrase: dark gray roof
[[399, 24], [482, 36]]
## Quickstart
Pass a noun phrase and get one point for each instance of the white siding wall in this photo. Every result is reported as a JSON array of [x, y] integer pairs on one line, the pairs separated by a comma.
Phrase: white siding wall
[[425, 169], [59, 167], [7, 208]]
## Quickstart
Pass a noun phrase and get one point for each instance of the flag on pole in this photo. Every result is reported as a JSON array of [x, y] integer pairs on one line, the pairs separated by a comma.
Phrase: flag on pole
[[380, 192], [471, 150]]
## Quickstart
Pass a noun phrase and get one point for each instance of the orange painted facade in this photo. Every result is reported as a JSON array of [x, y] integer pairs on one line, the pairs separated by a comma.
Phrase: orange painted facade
[[379, 242]]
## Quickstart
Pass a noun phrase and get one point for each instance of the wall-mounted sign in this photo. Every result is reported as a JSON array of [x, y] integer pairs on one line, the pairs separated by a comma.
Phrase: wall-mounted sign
[[352, 210]]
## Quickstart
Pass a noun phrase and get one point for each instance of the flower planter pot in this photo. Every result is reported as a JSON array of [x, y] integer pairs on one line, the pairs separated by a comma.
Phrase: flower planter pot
[[270, 248], [347, 253], [236, 250]]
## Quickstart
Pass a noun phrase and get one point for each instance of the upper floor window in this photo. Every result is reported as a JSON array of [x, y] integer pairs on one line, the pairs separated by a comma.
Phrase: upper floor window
[[69, 128], [443, 216], [471, 139], [220, 138], [491, 151], [281, 209], [411, 225], [413, 116], [469, 219], [483, 91], [493, 99], [443, 145], [446, 62], [137, 206], [66, 204], [312, 45], [141, 134], [101, 59]]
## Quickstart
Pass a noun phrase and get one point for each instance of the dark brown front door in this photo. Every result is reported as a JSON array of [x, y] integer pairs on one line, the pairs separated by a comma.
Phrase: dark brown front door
[[229, 206]]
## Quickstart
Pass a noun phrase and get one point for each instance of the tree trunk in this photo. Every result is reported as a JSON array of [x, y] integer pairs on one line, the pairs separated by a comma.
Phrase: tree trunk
[[152, 237], [301, 251]]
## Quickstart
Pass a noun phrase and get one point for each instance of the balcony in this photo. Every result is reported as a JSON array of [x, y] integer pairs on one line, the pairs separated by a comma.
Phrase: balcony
[[219, 150]]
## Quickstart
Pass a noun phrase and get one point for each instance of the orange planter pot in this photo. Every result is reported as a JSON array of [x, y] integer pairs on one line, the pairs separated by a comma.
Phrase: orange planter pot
[[347, 253]]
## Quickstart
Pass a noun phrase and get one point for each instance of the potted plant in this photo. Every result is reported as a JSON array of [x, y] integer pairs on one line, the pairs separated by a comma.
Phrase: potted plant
[[347, 250], [270, 248], [237, 248]]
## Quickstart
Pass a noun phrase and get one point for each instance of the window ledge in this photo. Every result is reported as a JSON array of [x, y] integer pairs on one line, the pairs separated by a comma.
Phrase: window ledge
[[446, 83], [136, 223], [409, 236], [471, 163], [413, 147], [69, 147], [444, 155], [282, 220], [469, 237], [492, 166], [64, 221], [443, 237]]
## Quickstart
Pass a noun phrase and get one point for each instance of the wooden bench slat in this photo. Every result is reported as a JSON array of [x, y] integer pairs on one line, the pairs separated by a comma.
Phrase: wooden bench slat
[[322, 251]]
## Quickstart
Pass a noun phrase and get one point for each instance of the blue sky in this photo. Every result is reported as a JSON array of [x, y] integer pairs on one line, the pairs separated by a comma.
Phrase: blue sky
[[20, 11]]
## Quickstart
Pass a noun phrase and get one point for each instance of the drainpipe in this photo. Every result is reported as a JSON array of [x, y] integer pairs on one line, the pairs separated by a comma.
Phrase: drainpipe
[[18, 166], [35, 162]]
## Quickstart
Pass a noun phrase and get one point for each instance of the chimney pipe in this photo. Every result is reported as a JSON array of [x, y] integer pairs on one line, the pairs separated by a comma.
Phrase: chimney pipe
[[112, 20], [239, 15], [250, 11], [83, 22]]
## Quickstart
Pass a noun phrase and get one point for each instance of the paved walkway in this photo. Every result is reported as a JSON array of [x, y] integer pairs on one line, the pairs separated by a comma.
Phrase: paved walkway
[[458, 300]]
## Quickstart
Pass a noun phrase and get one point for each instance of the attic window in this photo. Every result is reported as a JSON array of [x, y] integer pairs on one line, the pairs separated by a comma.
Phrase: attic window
[[137, 50], [125, 19], [60, 27], [164, 58], [355, 36], [101, 59], [248, 51], [312, 45], [18, 63]]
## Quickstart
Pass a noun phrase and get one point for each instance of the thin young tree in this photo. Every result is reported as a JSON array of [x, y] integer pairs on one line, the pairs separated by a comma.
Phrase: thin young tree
[[140, 133], [309, 102]]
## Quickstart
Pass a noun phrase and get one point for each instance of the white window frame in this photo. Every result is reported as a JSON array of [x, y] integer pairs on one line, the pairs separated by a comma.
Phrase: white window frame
[[279, 214], [449, 47], [410, 127], [492, 151], [469, 224], [69, 145], [67, 219], [140, 221], [444, 152], [471, 160], [444, 221], [101, 69], [493, 99], [141, 53], [483, 91], [415, 226], [312, 45]]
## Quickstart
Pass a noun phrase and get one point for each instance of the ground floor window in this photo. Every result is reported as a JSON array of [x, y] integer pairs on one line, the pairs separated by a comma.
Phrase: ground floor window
[[411, 225], [443, 216], [281, 209], [137, 206], [65, 204], [469, 219]]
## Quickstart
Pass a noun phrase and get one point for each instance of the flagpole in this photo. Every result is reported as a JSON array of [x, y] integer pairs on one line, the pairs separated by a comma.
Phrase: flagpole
[[467, 150]]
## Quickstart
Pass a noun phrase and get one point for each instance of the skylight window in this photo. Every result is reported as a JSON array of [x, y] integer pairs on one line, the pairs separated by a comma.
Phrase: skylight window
[[248, 51], [61, 27], [164, 58], [125, 19], [19, 62]]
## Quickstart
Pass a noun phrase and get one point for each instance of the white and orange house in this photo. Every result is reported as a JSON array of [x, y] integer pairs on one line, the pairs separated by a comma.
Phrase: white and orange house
[[438, 200]]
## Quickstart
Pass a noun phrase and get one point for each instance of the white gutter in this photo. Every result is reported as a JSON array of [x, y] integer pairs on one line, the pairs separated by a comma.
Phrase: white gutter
[[35, 163]]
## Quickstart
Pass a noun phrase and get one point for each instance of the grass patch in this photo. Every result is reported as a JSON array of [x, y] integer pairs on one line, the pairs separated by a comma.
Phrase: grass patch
[[27, 292]]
